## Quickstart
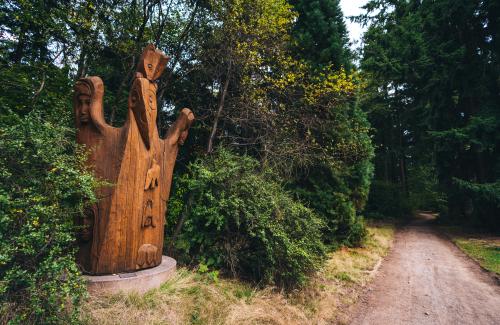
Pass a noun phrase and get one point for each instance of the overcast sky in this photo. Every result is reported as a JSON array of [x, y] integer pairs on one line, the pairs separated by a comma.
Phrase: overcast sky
[[352, 8]]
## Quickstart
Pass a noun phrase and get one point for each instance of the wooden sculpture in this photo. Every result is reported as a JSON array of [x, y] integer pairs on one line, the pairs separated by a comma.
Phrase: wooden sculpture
[[123, 232]]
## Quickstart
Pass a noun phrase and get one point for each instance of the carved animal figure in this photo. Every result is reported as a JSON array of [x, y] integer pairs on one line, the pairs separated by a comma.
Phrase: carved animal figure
[[127, 223]]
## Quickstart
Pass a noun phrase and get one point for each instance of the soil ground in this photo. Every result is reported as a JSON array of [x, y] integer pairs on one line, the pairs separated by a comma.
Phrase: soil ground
[[428, 280]]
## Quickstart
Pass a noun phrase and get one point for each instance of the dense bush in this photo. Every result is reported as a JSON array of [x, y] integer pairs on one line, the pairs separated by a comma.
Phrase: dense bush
[[42, 186], [239, 219], [334, 198], [337, 186]]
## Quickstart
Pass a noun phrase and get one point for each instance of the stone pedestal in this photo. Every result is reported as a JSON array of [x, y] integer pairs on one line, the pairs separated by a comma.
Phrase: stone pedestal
[[139, 281]]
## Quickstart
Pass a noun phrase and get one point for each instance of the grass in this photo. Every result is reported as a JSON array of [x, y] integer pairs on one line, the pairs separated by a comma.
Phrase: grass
[[486, 251], [482, 247], [201, 298]]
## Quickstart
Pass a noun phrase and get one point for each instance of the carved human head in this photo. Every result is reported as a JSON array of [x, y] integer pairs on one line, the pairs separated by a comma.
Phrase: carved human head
[[83, 100], [88, 224]]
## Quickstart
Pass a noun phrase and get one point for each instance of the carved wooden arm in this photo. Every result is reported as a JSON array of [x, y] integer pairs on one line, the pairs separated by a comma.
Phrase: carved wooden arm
[[178, 132]]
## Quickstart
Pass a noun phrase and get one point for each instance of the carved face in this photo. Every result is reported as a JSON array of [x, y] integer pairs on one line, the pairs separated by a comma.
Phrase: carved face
[[183, 137], [88, 224], [83, 101], [142, 101], [152, 63]]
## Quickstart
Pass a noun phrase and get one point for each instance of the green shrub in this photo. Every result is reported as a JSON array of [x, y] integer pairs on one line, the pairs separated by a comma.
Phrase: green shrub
[[337, 196], [239, 219], [336, 184], [42, 188], [357, 233]]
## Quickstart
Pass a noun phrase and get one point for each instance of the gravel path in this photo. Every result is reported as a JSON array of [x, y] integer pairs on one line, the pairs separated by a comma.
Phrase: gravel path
[[427, 280]]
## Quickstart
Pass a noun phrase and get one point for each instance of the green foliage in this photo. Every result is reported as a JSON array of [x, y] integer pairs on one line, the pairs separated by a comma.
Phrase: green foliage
[[42, 189], [290, 113], [432, 95], [424, 190], [357, 233], [321, 34], [337, 199], [480, 202], [387, 200], [38, 87], [337, 187], [242, 221], [336, 181]]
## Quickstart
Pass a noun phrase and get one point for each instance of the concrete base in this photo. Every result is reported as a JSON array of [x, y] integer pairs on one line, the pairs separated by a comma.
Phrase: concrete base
[[140, 281]]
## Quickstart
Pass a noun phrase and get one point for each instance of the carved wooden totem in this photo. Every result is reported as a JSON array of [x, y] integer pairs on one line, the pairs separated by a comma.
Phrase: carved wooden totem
[[124, 231]]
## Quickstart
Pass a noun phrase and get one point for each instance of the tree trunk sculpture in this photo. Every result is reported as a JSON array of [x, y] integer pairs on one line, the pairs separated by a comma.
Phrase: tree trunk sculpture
[[123, 232]]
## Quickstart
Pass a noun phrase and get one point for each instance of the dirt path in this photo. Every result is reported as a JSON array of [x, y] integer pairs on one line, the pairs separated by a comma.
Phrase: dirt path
[[427, 280]]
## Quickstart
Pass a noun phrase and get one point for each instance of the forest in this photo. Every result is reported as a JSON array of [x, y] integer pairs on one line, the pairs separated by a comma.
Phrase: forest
[[299, 137]]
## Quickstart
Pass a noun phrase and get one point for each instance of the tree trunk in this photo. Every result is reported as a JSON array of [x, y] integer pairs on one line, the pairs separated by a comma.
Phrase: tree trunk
[[404, 181], [219, 110], [180, 223], [19, 51], [81, 64]]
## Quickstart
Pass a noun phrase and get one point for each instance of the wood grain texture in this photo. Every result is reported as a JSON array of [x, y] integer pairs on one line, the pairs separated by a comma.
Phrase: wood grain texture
[[124, 230]]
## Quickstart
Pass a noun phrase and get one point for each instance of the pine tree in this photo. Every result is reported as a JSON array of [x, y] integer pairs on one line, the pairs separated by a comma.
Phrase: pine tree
[[321, 34], [433, 70]]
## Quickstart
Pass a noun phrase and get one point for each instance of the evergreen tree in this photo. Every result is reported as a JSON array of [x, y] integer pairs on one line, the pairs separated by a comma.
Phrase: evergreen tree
[[336, 186], [434, 99], [321, 34]]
